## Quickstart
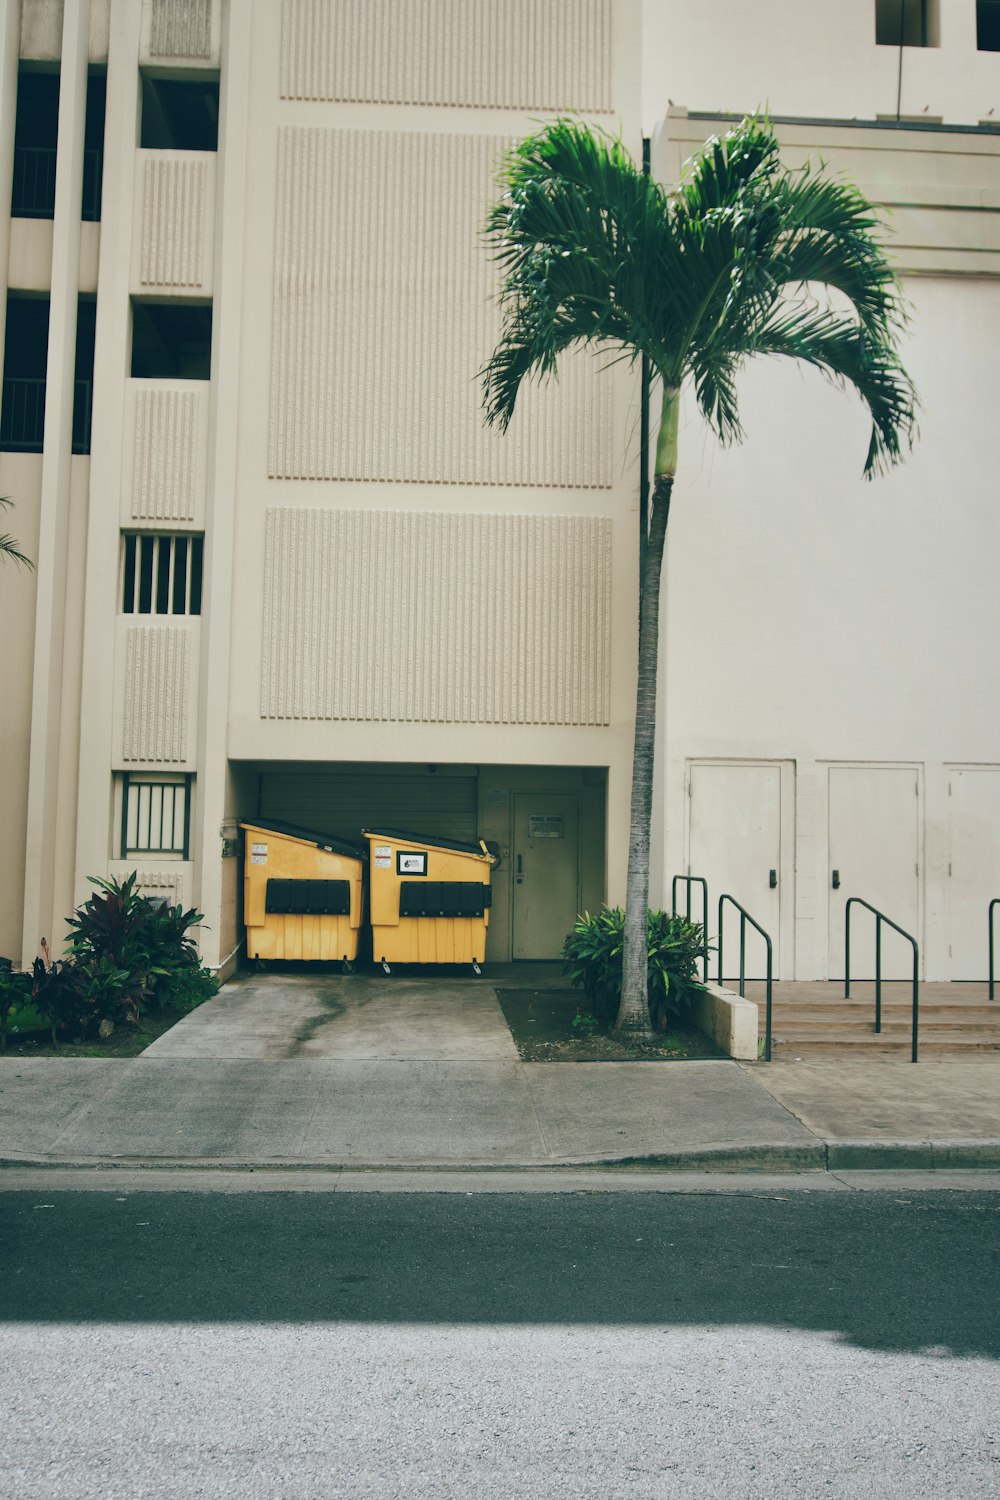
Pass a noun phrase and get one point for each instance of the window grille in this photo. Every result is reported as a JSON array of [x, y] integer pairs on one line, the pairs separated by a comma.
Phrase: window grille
[[161, 575], [156, 815]]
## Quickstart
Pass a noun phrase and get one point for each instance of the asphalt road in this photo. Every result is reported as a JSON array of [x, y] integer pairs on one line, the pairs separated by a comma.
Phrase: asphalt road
[[182, 1344]]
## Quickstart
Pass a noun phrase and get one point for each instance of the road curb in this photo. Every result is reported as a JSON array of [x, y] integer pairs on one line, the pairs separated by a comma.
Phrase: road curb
[[928, 1156], [820, 1156]]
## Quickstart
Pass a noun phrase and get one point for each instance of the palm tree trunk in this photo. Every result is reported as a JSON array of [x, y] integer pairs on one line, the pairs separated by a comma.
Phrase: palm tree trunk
[[633, 1011]]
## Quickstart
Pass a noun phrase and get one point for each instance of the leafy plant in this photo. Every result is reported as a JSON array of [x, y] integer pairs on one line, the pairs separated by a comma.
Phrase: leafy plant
[[8, 545], [56, 998], [593, 960], [746, 257], [584, 1025], [15, 991], [134, 952]]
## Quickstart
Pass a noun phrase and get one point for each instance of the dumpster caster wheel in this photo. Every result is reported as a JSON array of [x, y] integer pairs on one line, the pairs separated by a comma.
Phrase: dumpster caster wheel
[[475, 968], [385, 967], [348, 966]]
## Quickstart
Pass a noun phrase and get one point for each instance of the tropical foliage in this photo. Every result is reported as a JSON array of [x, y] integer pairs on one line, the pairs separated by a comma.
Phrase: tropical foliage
[[747, 257], [8, 545], [674, 945], [126, 955]]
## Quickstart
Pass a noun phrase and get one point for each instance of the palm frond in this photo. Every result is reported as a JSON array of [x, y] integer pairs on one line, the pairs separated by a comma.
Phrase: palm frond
[[851, 355], [577, 234], [9, 547], [592, 251]]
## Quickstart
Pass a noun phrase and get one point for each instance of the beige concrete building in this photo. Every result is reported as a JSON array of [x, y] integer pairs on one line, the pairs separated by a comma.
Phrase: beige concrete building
[[286, 572]]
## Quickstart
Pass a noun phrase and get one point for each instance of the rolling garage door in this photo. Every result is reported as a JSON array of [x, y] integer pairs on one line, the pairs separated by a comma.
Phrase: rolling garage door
[[344, 802]]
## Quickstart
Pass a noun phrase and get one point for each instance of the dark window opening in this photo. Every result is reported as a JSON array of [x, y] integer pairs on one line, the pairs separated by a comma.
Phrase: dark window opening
[[180, 114], [36, 130], [93, 146], [988, 25], [83, 373], [162, 575], [171, 340], [906, 23], [26, 347]]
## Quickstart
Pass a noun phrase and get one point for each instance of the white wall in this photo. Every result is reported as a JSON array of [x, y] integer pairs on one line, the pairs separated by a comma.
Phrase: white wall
[[812, 617], [826, 608], [813, 58]]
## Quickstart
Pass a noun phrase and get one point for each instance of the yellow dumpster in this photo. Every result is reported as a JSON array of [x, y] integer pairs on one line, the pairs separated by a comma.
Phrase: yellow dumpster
[[429, 897], [302, 893]]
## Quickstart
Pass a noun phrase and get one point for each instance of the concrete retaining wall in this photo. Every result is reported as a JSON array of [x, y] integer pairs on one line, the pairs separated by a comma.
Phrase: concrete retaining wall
[[729, 1020]]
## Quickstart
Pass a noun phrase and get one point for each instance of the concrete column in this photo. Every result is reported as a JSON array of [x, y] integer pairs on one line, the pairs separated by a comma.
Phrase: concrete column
[[39, 916], [111, 370], [213, 875], [10, 40]]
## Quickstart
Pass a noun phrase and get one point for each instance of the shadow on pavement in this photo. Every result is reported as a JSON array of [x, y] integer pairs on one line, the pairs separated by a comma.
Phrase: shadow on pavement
[[878, 1270]]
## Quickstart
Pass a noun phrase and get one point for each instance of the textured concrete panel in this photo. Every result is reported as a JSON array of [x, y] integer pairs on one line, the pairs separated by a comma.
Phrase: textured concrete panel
[[157, 695], [168, 439], [375, 615], [384, 312], [174, 217], [180, 29], [502, 54]]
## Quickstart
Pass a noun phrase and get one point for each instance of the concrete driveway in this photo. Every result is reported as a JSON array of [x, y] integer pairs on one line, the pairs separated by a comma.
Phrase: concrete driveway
[[276, 1015]]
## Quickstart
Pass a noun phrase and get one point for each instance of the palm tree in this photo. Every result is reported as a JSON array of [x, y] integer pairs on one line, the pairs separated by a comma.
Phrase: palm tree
[[8, 545], [746, 257]]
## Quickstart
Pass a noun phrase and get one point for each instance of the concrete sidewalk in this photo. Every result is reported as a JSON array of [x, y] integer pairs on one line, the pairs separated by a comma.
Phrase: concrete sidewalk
[[302, 1112], [304, 1069]]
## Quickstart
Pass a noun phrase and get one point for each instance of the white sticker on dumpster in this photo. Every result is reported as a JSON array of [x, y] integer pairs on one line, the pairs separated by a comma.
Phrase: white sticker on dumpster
[[258, 848], [409, 862], [383, 861], [383, 851], [258, 859]]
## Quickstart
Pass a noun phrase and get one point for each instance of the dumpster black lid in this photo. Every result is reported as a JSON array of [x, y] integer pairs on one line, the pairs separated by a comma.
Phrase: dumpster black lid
[[421, 838], [327, 841]]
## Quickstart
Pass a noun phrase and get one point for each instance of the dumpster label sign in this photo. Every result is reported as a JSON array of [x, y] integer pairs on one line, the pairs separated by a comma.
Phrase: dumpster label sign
[[546, 826], [382, 854], [410, 862], [258, 854]]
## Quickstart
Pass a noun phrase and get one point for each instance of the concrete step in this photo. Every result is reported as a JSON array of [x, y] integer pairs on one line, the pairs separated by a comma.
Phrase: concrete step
[[807, 1024], [838, 1041]]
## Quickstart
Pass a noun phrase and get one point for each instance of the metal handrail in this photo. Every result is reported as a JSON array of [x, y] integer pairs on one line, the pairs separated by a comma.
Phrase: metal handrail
[[992, 908], [33, 194], [745, 917], [881, 917], [34, 186], [689, 881], [22, 415]]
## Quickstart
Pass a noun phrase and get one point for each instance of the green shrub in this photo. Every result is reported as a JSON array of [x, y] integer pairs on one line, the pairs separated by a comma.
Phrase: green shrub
[[593, 960], [15, 993], [133, 953]]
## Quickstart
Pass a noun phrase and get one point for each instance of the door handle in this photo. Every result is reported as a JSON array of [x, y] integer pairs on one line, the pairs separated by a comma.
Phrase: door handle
[[520, 870], [772, 879], [836, 880]]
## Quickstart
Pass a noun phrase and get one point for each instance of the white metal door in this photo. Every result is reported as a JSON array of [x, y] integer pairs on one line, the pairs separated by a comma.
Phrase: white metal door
[[546, 872], [973, 867], [874, 849], [735, 844]]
